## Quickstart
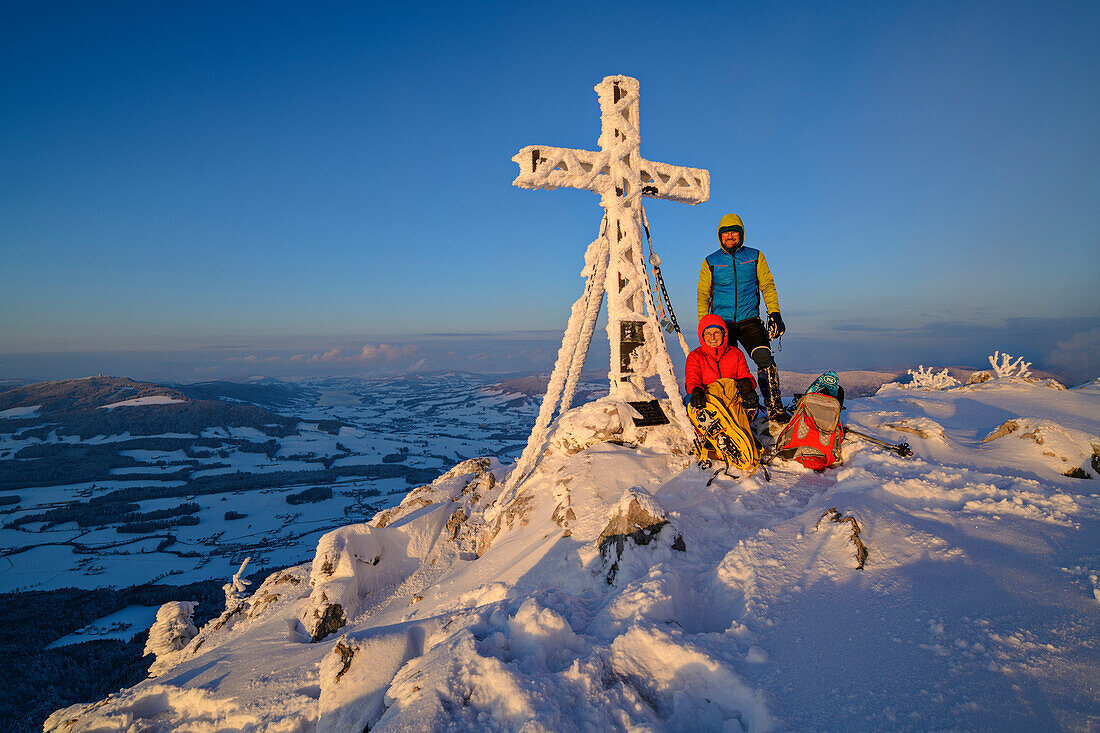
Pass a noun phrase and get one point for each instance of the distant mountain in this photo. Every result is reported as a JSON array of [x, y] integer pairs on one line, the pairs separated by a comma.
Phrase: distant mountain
[[590, 386], [93, 406], [269, 393], [70, 395], [856, 383]]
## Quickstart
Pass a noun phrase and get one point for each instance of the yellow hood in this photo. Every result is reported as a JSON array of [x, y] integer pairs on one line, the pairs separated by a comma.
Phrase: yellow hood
[[730, 221]]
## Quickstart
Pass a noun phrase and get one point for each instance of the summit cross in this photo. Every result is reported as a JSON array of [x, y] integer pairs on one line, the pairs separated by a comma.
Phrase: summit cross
[[614, 262]]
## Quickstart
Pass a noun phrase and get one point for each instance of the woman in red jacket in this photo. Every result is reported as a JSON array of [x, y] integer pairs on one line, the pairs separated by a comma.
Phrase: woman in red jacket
[[715, 359]]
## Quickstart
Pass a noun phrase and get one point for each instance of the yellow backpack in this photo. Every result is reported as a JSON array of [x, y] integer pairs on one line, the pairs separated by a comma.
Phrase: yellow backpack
[[724, 431]]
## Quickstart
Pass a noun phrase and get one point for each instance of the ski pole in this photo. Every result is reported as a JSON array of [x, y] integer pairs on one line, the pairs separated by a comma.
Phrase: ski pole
[[902, 449]]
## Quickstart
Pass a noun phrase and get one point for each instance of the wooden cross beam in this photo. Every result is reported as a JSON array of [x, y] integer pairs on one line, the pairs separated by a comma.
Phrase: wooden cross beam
[[547, 168]]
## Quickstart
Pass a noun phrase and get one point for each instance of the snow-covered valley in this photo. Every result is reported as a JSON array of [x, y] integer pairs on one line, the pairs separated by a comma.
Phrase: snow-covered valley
[[189, 504], [613, 589]]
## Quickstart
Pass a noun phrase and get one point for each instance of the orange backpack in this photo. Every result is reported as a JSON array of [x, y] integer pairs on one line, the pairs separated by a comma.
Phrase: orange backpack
[[813, 435]]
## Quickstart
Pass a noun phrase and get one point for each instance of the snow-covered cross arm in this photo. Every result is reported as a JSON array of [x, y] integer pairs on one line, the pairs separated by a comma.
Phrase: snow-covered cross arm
[[546, 168]]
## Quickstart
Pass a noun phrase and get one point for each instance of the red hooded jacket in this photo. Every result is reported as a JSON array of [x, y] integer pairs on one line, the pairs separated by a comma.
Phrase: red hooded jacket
[[706, 364]]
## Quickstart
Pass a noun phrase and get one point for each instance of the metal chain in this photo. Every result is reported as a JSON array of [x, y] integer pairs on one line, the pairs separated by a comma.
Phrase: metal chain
[[667, 323]]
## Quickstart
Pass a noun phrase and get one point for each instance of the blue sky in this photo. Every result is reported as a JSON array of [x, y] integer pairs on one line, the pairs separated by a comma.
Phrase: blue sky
[[194, 183]]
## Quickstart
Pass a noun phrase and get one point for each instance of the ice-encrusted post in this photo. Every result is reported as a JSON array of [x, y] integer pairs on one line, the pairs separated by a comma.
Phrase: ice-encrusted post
[[621, 176]]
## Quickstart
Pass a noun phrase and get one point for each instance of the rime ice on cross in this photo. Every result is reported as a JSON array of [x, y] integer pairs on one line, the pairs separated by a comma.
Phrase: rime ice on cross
[[621, 176], [614, 262]]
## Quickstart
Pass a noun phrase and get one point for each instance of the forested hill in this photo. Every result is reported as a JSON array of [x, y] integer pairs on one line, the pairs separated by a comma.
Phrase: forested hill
[[68, 395], [266, 392], [112, 405]]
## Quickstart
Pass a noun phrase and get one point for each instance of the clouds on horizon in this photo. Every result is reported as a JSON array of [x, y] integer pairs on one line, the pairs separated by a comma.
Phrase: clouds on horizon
[[338, 354], [500, 354], [1077, 357], [1067, 346]]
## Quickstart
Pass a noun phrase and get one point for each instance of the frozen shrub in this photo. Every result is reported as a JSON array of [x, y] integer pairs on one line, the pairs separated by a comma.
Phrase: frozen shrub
[[927, 379], [236, 590], [1004, 367], [172, 630]]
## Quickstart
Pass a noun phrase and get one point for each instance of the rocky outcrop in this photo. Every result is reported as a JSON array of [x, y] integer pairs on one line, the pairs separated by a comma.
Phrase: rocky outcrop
[[980, 377], [612, 421], [357, 672], [350, 563], [443, 518], [922, 427], [1070, 452], [636, 522], [835, 517]]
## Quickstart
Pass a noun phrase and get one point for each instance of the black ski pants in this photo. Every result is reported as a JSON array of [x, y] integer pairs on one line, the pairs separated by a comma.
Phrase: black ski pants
[[752, 335]]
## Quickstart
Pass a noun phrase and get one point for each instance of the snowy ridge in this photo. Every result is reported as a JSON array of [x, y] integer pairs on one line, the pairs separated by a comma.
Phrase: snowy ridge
[[617, 591]]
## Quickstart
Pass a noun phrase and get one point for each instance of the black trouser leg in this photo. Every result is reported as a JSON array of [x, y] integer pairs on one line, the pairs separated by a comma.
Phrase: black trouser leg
[[752, 335], [768, 374], [774, 400]]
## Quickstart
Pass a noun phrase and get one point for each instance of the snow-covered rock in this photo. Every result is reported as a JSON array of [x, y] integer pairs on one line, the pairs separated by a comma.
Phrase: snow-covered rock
[[1069, 452], [636, 521], [262, 608], [356, 674], [607, 419], [351, 563], [355, 563], [172, 631], [979, 377]]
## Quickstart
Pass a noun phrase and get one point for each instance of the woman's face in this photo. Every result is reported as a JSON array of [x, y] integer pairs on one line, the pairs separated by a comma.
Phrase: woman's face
[[712, 337]]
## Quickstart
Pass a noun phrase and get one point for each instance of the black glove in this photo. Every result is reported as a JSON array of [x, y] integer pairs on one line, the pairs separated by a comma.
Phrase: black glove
[[698, 398], [775, 326], [749, 398]]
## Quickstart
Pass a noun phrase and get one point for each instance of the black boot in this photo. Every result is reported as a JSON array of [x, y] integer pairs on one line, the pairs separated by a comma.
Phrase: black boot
[[762, 382], [769, 386]]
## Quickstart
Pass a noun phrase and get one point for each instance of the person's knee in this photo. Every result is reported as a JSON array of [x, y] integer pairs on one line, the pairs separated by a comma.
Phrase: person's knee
[[762, 355]]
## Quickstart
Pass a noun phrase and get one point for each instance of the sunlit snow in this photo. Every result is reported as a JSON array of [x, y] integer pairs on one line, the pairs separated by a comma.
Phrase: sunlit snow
[[467, 608]]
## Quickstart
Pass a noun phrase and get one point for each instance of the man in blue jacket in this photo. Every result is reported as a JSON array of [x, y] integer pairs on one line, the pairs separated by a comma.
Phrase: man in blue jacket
[[731, 282]]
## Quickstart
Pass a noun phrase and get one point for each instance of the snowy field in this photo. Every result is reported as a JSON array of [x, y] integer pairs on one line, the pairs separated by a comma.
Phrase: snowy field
[[615, 590], [142, 402], [122, 625]]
